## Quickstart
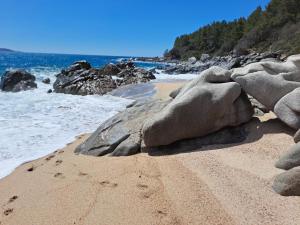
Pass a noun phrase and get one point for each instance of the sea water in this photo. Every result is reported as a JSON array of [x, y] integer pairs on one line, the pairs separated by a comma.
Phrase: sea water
[[34, 123]]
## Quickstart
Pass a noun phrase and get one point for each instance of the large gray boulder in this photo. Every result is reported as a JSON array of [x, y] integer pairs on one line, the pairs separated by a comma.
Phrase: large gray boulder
[[17, 80], [203, 106], [290, 159], [121, 135], [288, 183], [288, 108], [268, 82]]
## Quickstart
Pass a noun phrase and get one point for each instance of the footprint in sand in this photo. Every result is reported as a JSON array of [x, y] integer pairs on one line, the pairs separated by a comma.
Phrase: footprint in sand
[[81, 174], [59, 175], [61, 151], [146, 193], [12, 199], [142, 186], [8, 211], [160, 212], [58, 162], [108, 184], [49, 157]]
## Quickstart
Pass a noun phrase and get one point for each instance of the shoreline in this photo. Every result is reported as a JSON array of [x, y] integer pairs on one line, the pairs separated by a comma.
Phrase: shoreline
[[130, 92], [216, 184]]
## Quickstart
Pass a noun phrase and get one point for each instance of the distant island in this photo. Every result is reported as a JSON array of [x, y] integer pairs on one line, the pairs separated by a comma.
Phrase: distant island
[[6, 50]]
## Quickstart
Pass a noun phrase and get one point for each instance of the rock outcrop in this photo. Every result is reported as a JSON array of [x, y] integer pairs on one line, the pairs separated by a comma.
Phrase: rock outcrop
[[274, 80], [205, 105], [226, 62], [17, 80], [275, 85], [121, 135], [288, 183], [81, 79], [46, 81]]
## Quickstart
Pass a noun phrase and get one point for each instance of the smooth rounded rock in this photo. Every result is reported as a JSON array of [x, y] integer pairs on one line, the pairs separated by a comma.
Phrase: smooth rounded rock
[[288, 183], [268, 82], [203, 106], [288, 109], [290, 159]]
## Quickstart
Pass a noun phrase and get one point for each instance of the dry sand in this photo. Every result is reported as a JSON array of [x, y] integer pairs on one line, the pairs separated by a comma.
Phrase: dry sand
[[224, 185], [165, 88]]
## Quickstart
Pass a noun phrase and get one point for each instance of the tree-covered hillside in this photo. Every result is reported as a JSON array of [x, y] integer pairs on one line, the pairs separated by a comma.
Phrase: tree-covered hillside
[[277, 28]]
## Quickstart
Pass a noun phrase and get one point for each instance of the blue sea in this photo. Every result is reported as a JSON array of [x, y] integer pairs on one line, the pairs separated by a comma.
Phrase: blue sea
[[34, 123]]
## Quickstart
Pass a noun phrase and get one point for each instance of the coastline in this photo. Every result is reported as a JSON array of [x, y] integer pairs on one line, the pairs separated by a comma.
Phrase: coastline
[[222, 184]]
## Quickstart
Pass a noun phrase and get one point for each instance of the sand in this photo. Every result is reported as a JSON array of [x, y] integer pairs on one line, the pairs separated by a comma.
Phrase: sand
[[223, 184], [165, 88]]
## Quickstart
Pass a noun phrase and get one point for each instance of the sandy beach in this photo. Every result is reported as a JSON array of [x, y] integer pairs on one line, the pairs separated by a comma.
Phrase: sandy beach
[[222, 184]]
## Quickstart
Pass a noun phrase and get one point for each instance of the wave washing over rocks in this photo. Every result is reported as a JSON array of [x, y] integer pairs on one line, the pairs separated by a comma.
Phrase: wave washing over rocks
[[34, 123]]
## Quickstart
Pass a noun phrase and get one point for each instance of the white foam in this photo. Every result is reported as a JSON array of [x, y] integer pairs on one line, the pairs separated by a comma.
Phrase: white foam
[[164, 76], [34, 123]]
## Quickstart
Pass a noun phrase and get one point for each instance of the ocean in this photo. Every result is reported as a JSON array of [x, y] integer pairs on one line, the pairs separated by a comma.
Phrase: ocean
[[34, 123]]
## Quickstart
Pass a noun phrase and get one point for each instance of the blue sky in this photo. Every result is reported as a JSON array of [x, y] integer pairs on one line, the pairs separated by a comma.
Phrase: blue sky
[[109, 27]]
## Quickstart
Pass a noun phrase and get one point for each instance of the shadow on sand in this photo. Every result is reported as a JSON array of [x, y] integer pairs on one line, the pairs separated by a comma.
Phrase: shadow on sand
[[232, 136]]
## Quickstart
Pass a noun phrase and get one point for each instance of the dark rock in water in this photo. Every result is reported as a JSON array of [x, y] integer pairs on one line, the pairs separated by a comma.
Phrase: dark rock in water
[[49, 91], [288, 183], [111, 69], [134, 76], [121, 135], [79, 65], [46, 81], [153, 71], [81, 79], [18, 80], [290, 159]]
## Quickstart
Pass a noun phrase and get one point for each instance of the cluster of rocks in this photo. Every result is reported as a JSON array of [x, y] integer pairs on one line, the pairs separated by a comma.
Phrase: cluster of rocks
[[206, 106], [17, 80], [226, 62], [81, 79], [144, 127]]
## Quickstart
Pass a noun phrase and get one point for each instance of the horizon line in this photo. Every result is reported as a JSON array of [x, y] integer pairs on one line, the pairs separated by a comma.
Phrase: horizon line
[[83, 54]]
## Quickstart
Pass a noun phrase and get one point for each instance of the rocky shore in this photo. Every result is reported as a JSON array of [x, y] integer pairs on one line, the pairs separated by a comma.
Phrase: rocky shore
[[214, 101], [214, 182], [81, 79], [211, 109], [194, 65]]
